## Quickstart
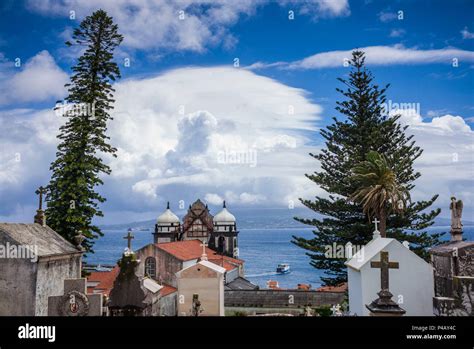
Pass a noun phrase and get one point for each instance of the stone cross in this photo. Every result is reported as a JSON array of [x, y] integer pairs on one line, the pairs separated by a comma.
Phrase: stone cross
[[204, 255], [129, 237], [384, 266], [41, 190], [75, 301]]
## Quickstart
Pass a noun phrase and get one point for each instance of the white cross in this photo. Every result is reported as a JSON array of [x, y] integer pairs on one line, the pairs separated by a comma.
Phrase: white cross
[[376, 221], [204, 255]]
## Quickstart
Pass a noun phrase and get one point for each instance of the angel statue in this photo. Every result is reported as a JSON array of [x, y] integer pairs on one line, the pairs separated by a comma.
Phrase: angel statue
[[456, 214]]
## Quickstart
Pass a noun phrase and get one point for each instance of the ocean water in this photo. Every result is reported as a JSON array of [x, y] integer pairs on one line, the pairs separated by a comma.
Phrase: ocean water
[[261, 249]]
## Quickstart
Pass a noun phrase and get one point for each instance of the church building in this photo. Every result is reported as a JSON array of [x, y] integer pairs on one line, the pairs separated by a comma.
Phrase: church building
[[218, 232], [178, 245]]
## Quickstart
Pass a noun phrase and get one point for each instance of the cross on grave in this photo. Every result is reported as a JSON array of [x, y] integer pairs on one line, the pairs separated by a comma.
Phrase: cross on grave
[[384, 266], [376, 221], [129, 237], [39, 217], [75, 301], [40, 191], [204, 255], [384, 304]]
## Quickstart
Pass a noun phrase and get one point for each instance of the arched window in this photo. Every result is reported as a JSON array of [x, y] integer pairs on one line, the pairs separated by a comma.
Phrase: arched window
[[150, 267]]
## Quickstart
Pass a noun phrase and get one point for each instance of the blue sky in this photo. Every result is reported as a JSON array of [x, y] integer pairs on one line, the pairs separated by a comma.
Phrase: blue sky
[[188, 63]]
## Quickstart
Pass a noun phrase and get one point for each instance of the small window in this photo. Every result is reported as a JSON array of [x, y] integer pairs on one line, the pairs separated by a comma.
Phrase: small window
[[150, 267]]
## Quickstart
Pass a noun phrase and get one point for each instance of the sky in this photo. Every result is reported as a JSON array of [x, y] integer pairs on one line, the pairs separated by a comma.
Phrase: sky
[[223, 100]]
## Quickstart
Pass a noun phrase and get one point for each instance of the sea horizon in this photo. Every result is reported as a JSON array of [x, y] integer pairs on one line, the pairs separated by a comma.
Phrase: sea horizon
[[262, 249]]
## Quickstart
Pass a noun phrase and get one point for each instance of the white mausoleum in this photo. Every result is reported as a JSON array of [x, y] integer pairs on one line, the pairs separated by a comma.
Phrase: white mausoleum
[[411, 284]]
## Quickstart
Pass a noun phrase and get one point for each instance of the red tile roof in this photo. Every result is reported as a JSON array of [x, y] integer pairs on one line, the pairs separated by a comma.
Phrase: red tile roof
[[167, 289], [305, 287], [273, 284], [222, 262], [192, 249], [339, 288], [105, 280]]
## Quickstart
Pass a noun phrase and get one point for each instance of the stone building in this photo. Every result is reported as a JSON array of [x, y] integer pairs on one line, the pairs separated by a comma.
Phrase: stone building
[[133, 295], [201, 289], [35, 262], [162, 261]]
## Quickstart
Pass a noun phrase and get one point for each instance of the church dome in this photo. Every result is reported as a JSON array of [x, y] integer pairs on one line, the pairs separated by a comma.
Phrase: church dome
[[224, 217], [167, 217]]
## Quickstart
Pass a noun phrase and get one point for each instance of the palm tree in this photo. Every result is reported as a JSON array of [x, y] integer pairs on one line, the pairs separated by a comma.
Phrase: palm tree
[[378, 190]]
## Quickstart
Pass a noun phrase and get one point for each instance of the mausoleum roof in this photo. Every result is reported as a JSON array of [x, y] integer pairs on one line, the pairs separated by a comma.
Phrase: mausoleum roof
[[368, 252], [46, 240], [206, 264], [451, 246]]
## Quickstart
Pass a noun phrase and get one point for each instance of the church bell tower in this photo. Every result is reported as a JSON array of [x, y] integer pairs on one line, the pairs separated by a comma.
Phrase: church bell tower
[[223, 239]]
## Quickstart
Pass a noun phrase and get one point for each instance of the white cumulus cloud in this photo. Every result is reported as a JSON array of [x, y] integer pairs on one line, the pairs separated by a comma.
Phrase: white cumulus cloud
[[181, 25], [180, 135], [38, 79], [447, 162], [385, 55]]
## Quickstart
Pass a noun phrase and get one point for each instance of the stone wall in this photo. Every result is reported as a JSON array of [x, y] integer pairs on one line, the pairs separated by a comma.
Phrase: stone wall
[[52, 271], [166, 265], [254, 302], [462, 302], [168, 305], [17, 287]]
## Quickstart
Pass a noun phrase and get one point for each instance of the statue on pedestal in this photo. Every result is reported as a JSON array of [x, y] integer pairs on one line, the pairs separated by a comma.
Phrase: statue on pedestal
[[456, 215]]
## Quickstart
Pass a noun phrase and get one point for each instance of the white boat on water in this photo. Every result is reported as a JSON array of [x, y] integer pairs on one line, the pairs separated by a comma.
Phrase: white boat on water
[[283, 268]]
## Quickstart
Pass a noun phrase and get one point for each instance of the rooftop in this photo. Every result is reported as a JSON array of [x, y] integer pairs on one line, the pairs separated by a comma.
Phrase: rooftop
[[451, 246], [105, 280], [339, 288], [240, 284], [47, 241], [368, 252], [192, 249]]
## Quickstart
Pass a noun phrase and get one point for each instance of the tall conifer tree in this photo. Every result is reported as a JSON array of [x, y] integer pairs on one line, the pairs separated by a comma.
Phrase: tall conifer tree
[[366, 127], [72, 200]]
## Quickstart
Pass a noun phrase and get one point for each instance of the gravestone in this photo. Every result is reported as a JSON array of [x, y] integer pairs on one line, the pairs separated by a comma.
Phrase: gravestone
[[75, 301]]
